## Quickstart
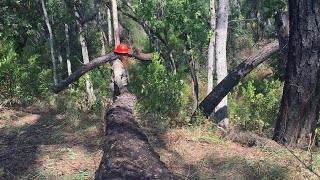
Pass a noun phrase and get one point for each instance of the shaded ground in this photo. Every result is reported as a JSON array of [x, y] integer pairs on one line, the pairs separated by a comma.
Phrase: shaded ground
[[36, 144]]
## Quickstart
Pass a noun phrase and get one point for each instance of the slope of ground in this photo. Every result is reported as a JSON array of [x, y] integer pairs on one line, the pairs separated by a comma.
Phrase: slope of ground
[[37, 144]]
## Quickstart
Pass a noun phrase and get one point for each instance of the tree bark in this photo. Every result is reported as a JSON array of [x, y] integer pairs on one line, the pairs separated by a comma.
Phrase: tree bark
[[193, 73], [115, 22], [211, 47], [92, 65], [109, 21], [221, 111], [127, 152], [53, 59], [282, 29], [97, 4], [84, 49], [232, 79], [68, 50], [300, 104]]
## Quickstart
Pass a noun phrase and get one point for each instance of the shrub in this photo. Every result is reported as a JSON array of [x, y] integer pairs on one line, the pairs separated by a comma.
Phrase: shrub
[[254, 103], [157, 92]]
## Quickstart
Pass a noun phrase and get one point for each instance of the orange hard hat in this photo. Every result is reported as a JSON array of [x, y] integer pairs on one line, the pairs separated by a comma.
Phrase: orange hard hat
[[122, 49]]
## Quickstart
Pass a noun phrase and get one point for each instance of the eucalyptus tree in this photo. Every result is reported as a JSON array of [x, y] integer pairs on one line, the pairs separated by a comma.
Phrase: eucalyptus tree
[[69, 69], [53, 59], [115, 22], [84, 48], [221, 111], [211, 46], [109, 22], [22, 37]]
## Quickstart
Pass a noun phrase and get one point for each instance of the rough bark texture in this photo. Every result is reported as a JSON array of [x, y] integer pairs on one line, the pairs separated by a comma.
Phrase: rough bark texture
[[250, 139], [299, 112], [127, 152], [226, 85], [282, 28]]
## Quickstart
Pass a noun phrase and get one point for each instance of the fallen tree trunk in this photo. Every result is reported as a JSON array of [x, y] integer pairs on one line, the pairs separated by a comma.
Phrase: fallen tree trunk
[[93, 64], [250, 139], [127, 152], [233, 78]]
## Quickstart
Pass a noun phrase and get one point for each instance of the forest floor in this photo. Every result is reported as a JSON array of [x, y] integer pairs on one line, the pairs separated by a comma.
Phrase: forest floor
[[39, 144]]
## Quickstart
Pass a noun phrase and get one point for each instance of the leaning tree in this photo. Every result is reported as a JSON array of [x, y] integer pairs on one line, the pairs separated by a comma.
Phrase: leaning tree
[[299, 111]]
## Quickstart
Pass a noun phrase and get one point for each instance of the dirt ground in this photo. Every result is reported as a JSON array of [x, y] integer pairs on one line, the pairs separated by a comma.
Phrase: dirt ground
[[36, 144]]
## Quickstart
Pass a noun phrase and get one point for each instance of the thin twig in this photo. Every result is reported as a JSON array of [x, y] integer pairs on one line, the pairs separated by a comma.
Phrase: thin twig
[[303, 163]]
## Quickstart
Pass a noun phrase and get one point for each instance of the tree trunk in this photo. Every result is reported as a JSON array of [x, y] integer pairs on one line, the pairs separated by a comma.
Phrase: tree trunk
[[93, 64], [194, 84], [59, 56], [193, 73], [127, 152], [299, 111], [54, 64], [282, 28], [84, 69], [232, 79], [115, 22], [211, 47], [68, 49], [109, 21], [84, 49], [97, 4], [221, 111]]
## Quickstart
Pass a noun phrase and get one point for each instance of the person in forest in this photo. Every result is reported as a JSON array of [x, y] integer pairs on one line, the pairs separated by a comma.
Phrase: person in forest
[[119, 71], [119, 68]]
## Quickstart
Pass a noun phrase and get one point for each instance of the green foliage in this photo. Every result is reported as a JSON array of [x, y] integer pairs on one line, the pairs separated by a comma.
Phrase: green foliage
[[21, 77], [157, 91], [172, 20], [254, 103]]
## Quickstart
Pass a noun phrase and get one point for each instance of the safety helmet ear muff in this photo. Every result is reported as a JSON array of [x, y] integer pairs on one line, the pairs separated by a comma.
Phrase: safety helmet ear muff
[[122, 49]]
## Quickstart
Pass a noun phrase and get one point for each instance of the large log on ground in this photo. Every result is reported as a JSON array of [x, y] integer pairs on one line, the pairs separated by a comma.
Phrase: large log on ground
[[127, 152]]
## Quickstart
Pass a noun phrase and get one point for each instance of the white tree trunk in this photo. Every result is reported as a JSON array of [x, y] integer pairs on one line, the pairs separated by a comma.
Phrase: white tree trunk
[[54, 64], [109, 21], [68, 49], [60, 56], [211, 47], [115, 22], [221, 59], [84, 49]]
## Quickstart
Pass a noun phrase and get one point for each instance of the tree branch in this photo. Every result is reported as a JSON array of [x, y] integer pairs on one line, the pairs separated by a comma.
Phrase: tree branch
[[232, 79], [92, 65]]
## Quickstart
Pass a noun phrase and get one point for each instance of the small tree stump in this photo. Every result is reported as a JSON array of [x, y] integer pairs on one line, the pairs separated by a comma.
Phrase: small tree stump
[[127, 152]]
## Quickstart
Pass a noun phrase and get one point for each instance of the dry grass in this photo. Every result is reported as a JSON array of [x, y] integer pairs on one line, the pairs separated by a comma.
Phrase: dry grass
[[44, 145]]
